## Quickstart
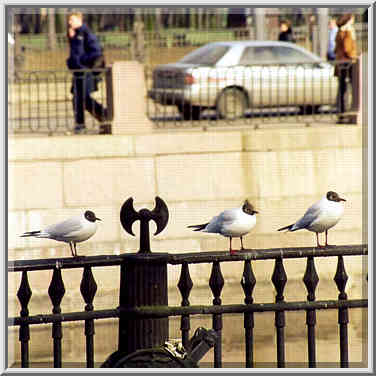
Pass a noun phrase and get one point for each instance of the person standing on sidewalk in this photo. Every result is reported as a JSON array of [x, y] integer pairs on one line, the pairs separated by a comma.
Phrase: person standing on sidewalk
[[286, 34], [345, 52], [333, 29], [85, 53]]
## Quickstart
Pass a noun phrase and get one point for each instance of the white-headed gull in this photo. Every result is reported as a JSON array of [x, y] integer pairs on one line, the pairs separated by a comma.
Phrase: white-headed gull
[[72, 231], [232, 223], [320, 217]]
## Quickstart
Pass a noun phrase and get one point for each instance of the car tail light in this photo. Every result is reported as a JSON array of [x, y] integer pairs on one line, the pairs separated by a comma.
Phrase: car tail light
[[189, 79]]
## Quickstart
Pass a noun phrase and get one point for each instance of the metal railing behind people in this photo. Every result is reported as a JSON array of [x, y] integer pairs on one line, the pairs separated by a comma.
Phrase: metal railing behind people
[[41, 101], [146, 268], [254, 94]]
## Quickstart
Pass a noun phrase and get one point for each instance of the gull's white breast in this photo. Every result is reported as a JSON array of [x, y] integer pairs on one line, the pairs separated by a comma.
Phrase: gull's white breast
[[232, 222], [329, 215]]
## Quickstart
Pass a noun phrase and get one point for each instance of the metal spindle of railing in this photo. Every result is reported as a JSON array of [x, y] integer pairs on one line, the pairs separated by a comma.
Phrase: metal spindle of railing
[[248, 283], [311, 279], [88, 288], [185, 285], [56, 291], [279, 279], [340, 279], [24, 294], [216, 283]]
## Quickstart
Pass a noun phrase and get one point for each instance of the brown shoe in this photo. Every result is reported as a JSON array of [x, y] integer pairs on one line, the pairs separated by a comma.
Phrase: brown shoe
[[105, 129]]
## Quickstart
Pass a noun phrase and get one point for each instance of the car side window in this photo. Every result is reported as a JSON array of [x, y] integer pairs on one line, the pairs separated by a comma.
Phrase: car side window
[[258, 55], [248, 56], [291, 55]]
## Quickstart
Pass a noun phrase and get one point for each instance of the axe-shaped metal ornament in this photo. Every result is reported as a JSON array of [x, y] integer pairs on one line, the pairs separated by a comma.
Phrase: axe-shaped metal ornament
[[159, 215]]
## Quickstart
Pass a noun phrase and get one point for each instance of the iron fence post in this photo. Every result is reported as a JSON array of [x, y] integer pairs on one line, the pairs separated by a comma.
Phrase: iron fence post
[[143, 282]]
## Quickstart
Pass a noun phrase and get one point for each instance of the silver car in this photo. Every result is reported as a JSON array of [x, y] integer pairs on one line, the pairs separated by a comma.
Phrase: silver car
[[232, 77]]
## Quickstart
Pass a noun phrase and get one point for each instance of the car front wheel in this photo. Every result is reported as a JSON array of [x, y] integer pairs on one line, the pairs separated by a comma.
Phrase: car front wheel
[[231, 104]]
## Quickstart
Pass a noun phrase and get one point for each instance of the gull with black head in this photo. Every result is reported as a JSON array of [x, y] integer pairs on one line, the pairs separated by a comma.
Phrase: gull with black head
[[73, 230], [231, 223], [320, 217]]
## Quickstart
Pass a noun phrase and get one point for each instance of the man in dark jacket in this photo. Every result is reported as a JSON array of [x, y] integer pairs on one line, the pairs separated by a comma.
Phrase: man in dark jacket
[[85, 53], [286, 34]]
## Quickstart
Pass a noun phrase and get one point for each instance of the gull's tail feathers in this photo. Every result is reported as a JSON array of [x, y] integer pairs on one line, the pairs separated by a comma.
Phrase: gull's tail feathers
[[30, 233], [288, 228], [198, 227]]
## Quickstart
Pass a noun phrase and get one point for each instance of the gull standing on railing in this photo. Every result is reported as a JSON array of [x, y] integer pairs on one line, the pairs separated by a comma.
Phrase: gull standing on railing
[[320, 217], [73, 230], [232, 223]]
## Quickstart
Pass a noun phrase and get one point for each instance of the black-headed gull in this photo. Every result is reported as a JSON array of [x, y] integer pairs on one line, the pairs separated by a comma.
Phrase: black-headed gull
[[232, 223], [320, 217], [73, 230]]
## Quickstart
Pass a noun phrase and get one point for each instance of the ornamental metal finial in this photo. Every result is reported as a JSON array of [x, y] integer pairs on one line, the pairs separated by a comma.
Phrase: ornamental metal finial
[[159, 215]]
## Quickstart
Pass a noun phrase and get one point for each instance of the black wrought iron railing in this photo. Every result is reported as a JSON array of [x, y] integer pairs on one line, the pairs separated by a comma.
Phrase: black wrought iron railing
[[43, 101], [134, 313], [143, 311]]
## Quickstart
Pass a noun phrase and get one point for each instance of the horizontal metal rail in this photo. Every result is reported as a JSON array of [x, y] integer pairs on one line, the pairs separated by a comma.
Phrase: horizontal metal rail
[[190, 258], [70, 316], [158, 312], [64, 263], [271, 253]]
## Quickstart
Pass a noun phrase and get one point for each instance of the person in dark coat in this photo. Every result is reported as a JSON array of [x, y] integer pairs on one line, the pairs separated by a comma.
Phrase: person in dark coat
[[286, 34], [345, 51], [85, 53]]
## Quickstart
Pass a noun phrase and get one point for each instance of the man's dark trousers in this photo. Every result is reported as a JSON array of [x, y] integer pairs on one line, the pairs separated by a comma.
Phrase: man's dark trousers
[[82, 86]]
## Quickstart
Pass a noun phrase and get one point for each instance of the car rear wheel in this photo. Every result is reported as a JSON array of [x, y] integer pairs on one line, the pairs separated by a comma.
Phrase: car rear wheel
[[231, 104], [189, 112]]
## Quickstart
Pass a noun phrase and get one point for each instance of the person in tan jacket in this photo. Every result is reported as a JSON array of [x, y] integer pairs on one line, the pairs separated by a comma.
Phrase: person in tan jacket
[[345, 51]]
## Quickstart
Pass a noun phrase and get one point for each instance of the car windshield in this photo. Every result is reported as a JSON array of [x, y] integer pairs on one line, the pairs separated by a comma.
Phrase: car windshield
[[207, 55]]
